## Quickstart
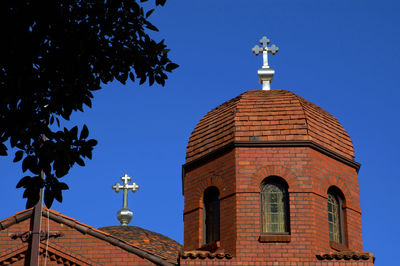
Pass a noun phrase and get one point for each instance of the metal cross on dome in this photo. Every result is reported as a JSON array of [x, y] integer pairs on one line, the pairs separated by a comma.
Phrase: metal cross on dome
[[265, 50], [124, 215]]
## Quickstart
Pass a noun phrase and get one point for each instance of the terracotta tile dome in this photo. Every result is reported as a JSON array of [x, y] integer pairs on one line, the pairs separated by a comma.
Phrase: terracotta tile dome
[[151, 242], [274, 115]]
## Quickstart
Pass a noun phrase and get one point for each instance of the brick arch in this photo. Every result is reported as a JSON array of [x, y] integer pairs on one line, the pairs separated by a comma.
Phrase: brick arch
[[209, 181], [272, 170], [331, 180]]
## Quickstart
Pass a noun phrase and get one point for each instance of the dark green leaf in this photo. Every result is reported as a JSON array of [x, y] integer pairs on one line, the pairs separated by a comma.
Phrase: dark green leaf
[[87, 101], [18, 156], [159, 80], [62, 170], [28, 163], [48, 198], [74, 132], [171, 66], [151, 26], [132, 76], [65, 115], [33, 197], [80, 161], [27, 192], [148, 13], [151, 80], [63, 186], [3, 150], [37, 182], [92, 142], [84, 132], [13, 141], [160, 2], [24, 182], [58, 194]]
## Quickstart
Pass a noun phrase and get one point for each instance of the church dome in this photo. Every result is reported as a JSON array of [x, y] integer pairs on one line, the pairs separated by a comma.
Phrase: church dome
[[151, 242], [268, 116]]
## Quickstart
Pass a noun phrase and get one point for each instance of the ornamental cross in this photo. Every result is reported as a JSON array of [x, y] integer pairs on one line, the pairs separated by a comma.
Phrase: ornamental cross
[[265, 50], [125, 187]]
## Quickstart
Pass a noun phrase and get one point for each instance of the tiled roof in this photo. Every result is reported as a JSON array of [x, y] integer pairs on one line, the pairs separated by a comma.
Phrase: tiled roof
[[149, 241], [268, 116], [205, 254], [348, 255], [140, 248]]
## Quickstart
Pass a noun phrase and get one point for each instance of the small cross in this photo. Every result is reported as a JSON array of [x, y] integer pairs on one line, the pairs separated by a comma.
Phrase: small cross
[[265, 50], [125, 187], [264, 41]]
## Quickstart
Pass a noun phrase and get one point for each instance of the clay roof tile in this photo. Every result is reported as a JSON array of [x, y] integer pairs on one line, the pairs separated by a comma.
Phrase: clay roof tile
[[346, 255], [201, 254]]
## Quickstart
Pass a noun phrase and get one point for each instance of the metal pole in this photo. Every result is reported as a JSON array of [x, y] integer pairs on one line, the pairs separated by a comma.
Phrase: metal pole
[[125, 199], [35, 225], [35, 229]]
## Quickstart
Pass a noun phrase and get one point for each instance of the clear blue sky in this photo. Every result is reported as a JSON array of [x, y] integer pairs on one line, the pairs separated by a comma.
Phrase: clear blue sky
[[341, 55]]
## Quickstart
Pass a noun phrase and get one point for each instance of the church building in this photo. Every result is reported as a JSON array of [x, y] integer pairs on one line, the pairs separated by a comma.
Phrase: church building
[[270, 179]]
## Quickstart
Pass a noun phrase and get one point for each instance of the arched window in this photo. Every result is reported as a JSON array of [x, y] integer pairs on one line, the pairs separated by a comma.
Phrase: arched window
[[274, 206], [336, 216], [211, 212]]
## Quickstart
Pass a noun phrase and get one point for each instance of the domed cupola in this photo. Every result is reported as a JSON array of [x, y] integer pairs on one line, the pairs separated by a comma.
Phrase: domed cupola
[[271, 177], [268, 116]]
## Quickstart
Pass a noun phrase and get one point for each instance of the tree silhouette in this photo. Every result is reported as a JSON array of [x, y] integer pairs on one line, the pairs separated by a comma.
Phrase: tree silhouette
[[54, 54]]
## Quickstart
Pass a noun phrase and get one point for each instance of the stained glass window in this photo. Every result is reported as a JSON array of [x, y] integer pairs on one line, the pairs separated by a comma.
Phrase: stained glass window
[[334, 219], [274, 204], [211, 206]]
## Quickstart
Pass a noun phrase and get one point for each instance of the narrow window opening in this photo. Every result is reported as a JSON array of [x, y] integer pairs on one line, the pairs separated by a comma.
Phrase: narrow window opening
[[336, 216], [212, 215]]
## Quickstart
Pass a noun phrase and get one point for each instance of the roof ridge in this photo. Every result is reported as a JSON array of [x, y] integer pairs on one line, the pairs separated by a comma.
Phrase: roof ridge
[[304, 112], [107, 237], [16, 218], [329, 124], [86, 229]]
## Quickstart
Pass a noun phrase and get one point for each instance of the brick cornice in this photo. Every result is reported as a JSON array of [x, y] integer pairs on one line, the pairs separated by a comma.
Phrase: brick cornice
[[262, 144]]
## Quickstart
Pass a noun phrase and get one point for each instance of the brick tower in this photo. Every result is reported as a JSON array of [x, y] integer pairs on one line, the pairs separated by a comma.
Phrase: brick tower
[[270, 179]]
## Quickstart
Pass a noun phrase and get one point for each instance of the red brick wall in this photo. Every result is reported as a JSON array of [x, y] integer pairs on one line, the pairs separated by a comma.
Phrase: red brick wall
[[219, 173], [239, 174], [8, 245]]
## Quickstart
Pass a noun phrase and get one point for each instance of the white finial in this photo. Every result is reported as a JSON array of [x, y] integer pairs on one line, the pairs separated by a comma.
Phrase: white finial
[[265, 73], [125, 215]]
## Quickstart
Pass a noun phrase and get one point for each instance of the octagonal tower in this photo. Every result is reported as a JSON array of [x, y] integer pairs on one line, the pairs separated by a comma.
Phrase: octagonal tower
[[271, 178]]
